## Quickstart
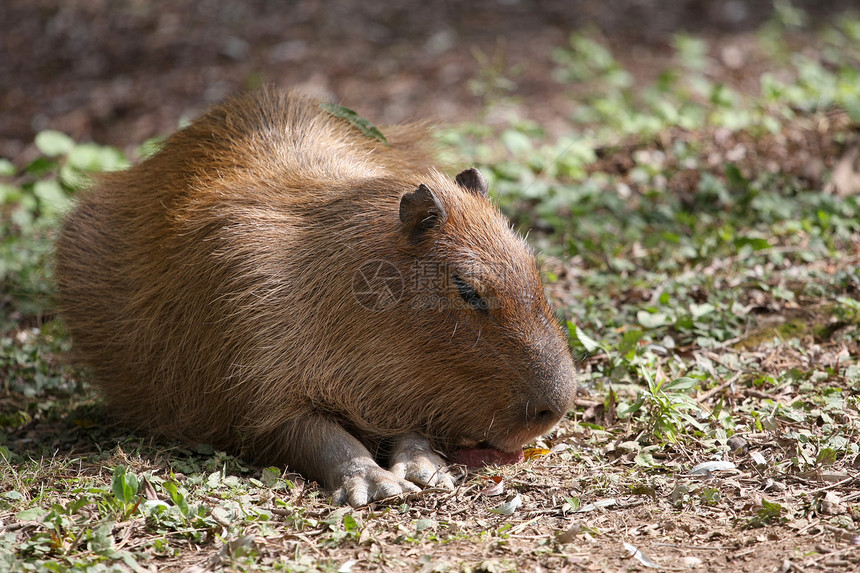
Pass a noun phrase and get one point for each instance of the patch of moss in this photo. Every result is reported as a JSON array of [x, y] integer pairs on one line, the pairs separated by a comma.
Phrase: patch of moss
[[793, 328]]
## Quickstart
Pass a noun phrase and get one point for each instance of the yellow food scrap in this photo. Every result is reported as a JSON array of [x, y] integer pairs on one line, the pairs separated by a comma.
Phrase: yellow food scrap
[[532, 453]]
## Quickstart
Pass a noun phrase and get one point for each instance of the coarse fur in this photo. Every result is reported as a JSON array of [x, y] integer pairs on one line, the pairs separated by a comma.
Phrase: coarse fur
[[215, 292]]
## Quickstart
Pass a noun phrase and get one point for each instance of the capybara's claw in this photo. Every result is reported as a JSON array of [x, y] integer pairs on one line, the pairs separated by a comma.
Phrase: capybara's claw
[[415, 461], [371, 483]]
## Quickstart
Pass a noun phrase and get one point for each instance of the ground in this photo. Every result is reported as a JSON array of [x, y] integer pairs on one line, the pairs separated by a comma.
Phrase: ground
[[685, 172], [121, 72]]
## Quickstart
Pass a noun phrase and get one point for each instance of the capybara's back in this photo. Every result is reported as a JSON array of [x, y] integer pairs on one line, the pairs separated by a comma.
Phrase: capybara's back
[[281, 283]]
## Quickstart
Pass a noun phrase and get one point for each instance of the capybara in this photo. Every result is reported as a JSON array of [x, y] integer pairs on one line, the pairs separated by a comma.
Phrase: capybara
[[286, 282]]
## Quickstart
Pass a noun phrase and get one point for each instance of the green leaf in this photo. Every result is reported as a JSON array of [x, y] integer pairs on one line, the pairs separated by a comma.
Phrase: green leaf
[[177, 497], [92, 157], [629, 342], [204, 449], [691, 421], [769, 509], [32, 514], [214, 479], [782, 293], [735, 177], [6, 168], [349, 523], [517, 142], [756, 243], [826, 456], [630, 409], [149, 147], [124, 485], [9, 194], [692, 52], [367, 128], [101, 540], [154, 505], [587, 342], [683, 383], [852, 108], [699, 310], [53, 143], [270, 476], [52, 198], [73, 178], [645, 460], [652, 320], [40, 166], [128, 559]]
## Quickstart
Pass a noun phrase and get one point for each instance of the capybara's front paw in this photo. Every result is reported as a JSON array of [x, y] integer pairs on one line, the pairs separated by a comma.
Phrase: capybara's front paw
[[366, 482], [415, 461]]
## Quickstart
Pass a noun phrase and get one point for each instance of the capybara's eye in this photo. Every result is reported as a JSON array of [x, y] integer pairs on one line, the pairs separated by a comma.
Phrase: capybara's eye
[[469, 295]]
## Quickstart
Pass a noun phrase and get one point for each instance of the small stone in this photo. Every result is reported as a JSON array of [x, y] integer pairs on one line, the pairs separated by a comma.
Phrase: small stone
[[737, 445]]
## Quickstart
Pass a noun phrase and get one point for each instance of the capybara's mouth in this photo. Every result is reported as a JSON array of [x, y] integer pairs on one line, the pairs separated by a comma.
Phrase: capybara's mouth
[[483, 455]]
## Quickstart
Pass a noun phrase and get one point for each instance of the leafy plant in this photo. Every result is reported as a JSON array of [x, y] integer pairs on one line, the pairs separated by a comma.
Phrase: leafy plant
[[666, 407], [32, 201]]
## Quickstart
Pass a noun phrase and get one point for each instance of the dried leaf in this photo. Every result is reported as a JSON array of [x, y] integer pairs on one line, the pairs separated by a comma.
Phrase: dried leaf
[[355, 120], [497, 487], [637, 554], [600, 504], [533, 453], [559, 448], [691, 562], [832, 504], [570, 534], [510, 506], [845, 179], [758, 459], [705, 468], [238, 546], [148, 490]]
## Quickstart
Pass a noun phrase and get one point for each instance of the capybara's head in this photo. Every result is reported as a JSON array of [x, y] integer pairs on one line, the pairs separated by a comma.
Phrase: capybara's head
[[486, 362]]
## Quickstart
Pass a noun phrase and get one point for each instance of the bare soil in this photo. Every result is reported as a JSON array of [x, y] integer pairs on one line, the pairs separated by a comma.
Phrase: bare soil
[[120, 72]]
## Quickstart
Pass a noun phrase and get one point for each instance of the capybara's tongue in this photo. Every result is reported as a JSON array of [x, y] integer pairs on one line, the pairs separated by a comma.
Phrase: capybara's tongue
[[480, 457]]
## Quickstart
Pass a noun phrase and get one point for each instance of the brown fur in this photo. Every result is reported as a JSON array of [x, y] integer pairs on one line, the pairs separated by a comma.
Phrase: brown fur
[[209, 290]]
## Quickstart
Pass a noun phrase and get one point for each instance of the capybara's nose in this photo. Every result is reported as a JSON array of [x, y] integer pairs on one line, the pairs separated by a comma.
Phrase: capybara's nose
[[551, 397], [545, 411]]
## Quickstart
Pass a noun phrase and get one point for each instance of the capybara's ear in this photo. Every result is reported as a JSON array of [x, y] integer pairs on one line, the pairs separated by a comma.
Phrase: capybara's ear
[[472, 180], [420, 211]]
